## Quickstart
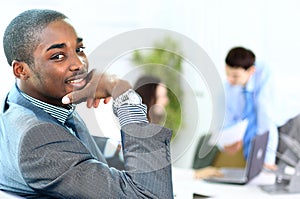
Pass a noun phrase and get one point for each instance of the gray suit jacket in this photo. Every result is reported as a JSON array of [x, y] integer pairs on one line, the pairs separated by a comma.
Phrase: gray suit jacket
[[40, 158]]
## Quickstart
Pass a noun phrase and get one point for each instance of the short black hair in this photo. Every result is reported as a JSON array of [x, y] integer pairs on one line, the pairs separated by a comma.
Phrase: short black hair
[[22, 35], [240, 57]]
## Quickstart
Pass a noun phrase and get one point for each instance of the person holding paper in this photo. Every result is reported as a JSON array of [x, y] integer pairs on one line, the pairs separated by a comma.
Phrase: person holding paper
[[250, 96], [249, 92]]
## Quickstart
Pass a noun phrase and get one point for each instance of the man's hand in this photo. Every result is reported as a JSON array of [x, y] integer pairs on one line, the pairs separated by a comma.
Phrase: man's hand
[[271, 167], [233, 148], [207, 172], [99, 86]]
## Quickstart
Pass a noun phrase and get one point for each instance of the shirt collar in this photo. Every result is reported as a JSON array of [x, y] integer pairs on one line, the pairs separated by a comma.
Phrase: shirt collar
[[59, 113], [250, 84]]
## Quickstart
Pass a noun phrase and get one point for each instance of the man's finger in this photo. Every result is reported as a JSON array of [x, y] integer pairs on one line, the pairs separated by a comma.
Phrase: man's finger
[[89, 102], [74, 97], [96, 103], [106, 100]]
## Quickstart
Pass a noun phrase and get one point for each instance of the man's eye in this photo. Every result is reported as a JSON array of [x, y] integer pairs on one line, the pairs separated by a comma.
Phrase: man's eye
[[57, 57], [80, 49]]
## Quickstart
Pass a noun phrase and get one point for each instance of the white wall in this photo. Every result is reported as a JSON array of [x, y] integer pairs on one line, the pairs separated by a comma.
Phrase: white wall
[[271, 28]]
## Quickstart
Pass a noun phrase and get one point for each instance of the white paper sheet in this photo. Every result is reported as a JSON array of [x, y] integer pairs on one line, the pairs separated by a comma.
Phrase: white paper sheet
[[230, 135]]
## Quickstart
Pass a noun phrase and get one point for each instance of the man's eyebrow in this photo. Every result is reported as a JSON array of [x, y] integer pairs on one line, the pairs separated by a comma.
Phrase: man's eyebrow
[[79, 39], [56, 46]]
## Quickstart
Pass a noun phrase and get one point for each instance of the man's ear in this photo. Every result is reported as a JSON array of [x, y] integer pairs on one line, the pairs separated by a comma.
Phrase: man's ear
[[20, 69], [251, 69]]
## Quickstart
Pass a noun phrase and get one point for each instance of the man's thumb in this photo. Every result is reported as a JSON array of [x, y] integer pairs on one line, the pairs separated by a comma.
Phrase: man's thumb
[[66, 99], [75, 97]]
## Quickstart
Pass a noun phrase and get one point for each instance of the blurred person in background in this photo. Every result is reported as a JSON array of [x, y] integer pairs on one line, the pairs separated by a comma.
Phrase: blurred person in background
[[249, 92], [154, 95]]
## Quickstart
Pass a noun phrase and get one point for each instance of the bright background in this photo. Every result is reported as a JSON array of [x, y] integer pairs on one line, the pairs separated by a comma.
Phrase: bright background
[[271, 28]]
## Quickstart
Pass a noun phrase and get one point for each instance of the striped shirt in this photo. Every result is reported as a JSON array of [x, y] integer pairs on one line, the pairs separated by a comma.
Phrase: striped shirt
[[128, 114], [59, 113]]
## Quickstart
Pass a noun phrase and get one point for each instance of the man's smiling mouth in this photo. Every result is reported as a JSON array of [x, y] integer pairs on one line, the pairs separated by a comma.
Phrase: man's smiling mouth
[[75, 81], [78, 81]]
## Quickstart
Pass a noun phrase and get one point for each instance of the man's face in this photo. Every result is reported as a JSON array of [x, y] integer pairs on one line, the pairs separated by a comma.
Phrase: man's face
[[238, 76], [162, 95], [60, 65]]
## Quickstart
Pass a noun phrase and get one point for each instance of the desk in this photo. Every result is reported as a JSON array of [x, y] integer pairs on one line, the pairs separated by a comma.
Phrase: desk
[[4, 195], [184, 185]]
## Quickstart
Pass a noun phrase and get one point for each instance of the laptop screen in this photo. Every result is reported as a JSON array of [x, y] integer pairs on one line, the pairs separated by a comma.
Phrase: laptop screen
[[257, 155]]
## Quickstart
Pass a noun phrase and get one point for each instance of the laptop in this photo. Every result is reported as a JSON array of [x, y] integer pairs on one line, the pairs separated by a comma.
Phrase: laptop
[[253, 166]]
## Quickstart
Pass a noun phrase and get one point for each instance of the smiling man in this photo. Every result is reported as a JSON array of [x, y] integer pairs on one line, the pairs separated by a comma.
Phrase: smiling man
[[46, 150]]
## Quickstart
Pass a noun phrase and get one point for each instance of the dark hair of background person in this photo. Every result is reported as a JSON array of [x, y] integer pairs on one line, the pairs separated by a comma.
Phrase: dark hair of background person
[[240, 57], [146, 86], [20, 38]]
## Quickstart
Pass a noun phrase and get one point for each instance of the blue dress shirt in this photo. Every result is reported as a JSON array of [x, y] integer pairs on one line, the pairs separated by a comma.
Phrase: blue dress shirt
[[261, 85]]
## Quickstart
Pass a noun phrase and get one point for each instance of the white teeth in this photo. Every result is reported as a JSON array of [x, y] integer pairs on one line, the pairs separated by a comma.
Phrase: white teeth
[[76, 81]]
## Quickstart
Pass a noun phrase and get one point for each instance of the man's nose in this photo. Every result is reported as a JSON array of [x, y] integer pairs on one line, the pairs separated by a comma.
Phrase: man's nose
[[77, 62], [230, 79]]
